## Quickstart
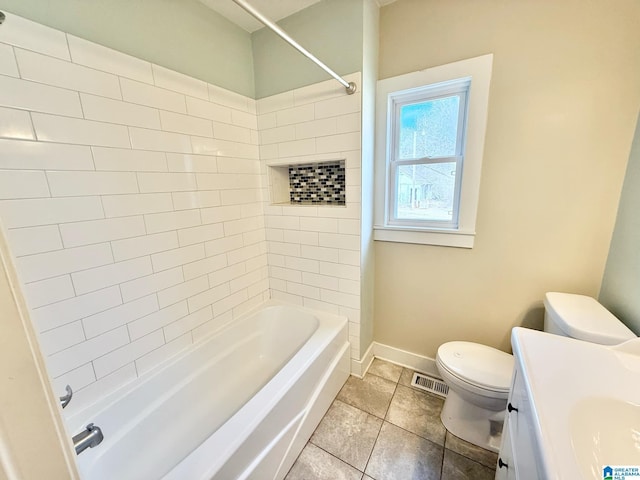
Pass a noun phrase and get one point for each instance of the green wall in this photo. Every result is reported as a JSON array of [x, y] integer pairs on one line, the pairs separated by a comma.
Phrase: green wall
[[620, 291], [331, 30], [183, 35]]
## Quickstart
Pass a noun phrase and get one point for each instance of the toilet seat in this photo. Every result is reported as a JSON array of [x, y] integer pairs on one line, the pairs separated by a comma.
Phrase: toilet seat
[[479, 365]]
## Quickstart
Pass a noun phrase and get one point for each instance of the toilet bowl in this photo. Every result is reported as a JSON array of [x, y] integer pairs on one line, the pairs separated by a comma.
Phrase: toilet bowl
[[479, 378]]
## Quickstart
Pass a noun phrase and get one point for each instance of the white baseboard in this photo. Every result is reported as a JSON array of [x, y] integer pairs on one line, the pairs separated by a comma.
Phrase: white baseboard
[[360, 367], [410, 360]]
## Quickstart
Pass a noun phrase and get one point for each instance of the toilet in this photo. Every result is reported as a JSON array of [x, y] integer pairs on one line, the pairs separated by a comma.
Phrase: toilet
[[479, 376]]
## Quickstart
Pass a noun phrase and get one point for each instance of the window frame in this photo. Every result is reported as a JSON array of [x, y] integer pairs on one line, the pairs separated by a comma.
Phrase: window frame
[[396, 101], [428, 84]]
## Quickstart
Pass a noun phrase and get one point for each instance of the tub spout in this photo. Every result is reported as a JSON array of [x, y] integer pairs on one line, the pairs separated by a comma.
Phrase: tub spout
[[88, 438]]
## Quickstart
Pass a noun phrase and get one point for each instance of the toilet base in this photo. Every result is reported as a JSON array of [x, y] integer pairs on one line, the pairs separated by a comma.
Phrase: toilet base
[[476, 425]]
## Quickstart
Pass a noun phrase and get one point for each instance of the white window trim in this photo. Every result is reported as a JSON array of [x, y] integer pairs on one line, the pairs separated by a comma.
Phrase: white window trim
[[477, 69]]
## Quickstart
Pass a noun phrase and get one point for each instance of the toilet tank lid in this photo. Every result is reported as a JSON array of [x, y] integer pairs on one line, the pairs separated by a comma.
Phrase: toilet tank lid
[[582, 317]]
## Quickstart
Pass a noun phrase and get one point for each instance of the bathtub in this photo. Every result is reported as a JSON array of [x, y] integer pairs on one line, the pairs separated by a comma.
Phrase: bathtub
[[240, 404]]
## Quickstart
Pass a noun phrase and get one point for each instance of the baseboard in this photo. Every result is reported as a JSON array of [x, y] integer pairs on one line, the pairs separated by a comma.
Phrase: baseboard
[[410, 360], [360, 367]]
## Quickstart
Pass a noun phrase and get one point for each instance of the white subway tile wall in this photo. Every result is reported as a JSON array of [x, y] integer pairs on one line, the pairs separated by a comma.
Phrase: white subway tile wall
[[132, 199], [314, 251]]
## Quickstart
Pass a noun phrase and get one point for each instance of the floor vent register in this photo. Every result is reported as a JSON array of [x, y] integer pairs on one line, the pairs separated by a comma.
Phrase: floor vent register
[[429, 384]]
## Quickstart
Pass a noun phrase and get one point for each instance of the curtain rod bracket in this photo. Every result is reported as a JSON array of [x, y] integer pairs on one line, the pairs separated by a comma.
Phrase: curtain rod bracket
[[352, 88]]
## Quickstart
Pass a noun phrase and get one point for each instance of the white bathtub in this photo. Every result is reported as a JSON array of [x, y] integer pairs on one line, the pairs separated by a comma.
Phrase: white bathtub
[[239, 405]]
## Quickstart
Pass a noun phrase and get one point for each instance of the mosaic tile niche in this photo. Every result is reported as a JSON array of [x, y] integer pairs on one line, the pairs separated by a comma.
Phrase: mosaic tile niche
[[317, 183]]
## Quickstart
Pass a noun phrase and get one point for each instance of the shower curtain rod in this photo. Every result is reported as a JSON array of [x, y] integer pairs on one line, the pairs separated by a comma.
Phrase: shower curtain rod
[[349, 86]]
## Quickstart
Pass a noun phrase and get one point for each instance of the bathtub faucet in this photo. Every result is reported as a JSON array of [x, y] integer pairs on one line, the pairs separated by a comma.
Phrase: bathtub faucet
[[88, 438]]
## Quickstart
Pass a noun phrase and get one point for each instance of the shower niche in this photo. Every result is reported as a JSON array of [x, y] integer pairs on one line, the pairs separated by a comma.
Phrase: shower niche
[[317, 183]]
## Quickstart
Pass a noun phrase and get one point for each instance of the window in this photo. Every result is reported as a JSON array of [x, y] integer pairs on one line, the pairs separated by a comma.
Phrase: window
[[430, 136]]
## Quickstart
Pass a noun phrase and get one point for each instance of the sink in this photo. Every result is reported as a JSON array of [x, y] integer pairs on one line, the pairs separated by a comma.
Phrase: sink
[[604, 431]]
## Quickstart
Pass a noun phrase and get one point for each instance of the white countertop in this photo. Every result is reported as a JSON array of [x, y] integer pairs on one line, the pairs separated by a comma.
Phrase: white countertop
[[585, 398]]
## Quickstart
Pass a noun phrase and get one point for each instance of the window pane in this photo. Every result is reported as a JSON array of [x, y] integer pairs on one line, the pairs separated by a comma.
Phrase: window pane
[[429, 129], [425, 192]]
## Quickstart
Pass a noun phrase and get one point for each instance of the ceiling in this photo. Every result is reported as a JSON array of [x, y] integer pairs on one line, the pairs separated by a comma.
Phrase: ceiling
[[272, 9]]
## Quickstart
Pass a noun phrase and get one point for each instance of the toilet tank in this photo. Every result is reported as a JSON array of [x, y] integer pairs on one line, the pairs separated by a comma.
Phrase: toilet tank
[[583, 318]]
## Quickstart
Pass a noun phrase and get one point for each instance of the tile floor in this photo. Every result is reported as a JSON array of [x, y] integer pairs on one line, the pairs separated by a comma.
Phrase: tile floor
[[381, 428]]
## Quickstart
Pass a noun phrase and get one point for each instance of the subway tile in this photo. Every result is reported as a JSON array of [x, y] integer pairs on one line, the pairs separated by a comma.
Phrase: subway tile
[[294, 115], [46, 211], [15, 184], [254, 236], [24, 33], [244, 119], [48, 291], [154, 140], [303, 290], [60, 73], [319, 253], [163, 353], [166, 182], [19, 154], [245, 253], [178, 82], [266, 121], [224, 275], [274, 235], [208, 297], [322, 306], [216, 181], [277, 135], [100, 323], [349, 257], [300, 211], [208, 328], [297, 148], [116, 111], [179, 123], [220, 214], [338, 143], [284, 249], [200, 234], [162, 222], [60, 338], [349, 226], [302, 264], [349, 286], [243, 225], [336, 240], [286, 274], [30, 240], [15, 124], [238, 165], [52, 264], [245, 281], [316, 128], [239, 197], [321, 281], [269, 152], [340, 105], [180, 327], [201, 199], [275, 221], [319, 224], [233, 133], [348, 272], [97, 231], [224, 148], [191, 163], [222, 245], [108, 275], [349, 123], [301, 237], [318, 92], [67, 184], [106, 59], [157, 320], [94, 392], [339, 298], [38, 97], [287, 297], [127, 160], [52, 128], [141, 246], [275, 102], [229, 303], [228, 98], [123, 205], [205, 109], [151, 284], [86, 351], [143, 94], [128, 353], [178, 256], [182, 291]]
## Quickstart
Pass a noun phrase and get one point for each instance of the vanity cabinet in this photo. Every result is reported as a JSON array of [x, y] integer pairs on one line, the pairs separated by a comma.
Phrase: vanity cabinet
[[518, 458]]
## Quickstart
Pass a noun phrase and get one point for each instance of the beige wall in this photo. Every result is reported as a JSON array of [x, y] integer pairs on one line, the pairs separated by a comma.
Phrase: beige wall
[[563, 104]]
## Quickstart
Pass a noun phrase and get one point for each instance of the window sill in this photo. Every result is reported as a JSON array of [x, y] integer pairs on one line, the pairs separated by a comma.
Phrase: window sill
[[449, 238]]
